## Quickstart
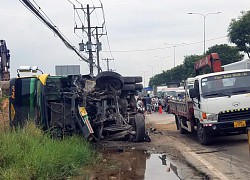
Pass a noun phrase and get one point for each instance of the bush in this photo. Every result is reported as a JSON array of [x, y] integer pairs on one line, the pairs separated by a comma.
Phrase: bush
[[28, 153]]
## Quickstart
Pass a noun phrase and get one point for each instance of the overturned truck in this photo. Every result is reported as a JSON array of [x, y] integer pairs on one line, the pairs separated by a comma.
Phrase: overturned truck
[[101, 107]]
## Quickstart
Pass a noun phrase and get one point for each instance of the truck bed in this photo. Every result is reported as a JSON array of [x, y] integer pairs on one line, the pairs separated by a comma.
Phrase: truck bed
[[181, 108]]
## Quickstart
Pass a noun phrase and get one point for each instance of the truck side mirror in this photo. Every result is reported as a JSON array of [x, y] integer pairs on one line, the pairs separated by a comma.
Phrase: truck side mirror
[[192, 93]]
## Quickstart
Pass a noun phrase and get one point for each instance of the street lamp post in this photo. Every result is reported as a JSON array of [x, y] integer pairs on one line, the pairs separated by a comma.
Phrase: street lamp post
[[174, 46], [161, 59], [204, 26], [152, 67], [144, 77]]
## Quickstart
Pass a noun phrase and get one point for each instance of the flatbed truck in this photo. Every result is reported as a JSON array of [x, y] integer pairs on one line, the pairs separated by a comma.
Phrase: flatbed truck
[[218, 104]]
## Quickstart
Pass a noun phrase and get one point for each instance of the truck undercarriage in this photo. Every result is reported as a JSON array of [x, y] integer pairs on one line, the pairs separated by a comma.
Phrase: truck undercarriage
[[99, 108]]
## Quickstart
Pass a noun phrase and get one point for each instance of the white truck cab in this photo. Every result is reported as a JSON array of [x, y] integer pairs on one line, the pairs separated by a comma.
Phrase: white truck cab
[[222, 102]]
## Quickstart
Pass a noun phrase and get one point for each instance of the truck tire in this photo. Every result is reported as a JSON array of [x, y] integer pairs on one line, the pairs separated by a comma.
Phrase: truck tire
[[128, 87], [132, 79], [182, 131], [139, 127], [138, 87], [177, 123], [203, 137], [109, 78]]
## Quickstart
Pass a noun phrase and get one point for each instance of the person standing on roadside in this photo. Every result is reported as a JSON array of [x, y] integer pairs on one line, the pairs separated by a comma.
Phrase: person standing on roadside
[[148, 104]]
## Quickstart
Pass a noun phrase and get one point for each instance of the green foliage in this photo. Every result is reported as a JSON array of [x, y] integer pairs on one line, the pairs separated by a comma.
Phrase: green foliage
[[227, 54], [29, 154], [176, 74], [239, 32]]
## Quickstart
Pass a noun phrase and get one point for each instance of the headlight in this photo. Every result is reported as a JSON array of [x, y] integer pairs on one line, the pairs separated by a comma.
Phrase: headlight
[[212, 117]]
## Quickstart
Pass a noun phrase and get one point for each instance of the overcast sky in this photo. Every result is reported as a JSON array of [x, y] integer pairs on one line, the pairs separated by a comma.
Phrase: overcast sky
[[144, 25]]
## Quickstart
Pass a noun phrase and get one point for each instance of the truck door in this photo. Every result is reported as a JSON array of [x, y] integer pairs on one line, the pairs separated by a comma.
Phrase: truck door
[[197, 112]]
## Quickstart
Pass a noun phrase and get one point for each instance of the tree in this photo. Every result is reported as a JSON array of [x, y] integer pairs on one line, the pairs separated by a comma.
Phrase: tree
[[176, 74], [239, 32], [227, 54]]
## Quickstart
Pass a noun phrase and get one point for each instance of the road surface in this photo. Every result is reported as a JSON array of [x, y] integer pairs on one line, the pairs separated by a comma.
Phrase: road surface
[[227, 158]]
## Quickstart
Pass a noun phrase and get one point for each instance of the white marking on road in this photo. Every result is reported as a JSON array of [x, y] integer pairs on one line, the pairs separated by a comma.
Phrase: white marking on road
[[207, 164]]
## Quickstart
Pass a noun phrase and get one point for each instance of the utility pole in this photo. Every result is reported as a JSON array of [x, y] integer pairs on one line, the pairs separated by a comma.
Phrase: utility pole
[[91, 31], [107, 61], [97, 51], [89, 44]]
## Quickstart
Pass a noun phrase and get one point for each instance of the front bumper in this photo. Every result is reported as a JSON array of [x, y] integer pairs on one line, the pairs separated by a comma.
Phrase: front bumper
[[225, 127]]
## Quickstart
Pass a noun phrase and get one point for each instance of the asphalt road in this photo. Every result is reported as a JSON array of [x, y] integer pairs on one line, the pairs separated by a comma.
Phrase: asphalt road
[[227, 158]]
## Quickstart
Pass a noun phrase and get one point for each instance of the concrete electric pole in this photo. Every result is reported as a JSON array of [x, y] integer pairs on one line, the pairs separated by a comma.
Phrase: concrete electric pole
[[88, 46], [107, 61]]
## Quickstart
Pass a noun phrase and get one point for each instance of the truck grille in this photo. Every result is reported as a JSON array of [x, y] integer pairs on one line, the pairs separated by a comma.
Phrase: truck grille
[[235, 114]]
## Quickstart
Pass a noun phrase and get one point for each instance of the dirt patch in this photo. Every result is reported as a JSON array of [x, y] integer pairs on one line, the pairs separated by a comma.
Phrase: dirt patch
[[165, 127]]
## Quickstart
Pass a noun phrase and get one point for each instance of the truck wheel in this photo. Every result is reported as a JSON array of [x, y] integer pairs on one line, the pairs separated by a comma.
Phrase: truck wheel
[[109, 78], [203, 136], [128, 87], [139, 127], [138, 87], [182, 131], [177, 123], [132, 79]]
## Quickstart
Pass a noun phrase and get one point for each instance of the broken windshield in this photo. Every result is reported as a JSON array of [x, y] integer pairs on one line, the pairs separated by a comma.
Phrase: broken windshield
[[226, 84]]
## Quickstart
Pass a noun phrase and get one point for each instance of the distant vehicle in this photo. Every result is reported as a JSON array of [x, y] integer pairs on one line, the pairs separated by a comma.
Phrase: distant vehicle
[[243, 64], [189, 84], [166, 91]]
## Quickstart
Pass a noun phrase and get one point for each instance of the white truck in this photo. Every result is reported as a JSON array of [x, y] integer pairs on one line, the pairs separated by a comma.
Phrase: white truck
[[243, 64], [219, 104]]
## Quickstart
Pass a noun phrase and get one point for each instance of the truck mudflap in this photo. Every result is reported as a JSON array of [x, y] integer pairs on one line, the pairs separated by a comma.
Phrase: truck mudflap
[[227, 127]]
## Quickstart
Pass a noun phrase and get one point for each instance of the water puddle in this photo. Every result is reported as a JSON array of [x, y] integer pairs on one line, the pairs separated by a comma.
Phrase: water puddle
[[133, 164]]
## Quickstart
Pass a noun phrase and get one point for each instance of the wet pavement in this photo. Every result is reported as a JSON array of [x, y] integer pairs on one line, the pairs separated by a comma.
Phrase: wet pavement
[[165, 170], [134, 164], [142, 161]]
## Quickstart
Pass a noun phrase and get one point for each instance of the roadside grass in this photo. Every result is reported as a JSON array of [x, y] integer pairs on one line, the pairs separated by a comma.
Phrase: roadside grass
[[28, 153]]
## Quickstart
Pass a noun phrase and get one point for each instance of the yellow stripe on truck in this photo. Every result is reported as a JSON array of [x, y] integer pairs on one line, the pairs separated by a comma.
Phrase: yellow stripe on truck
[[43, 78], [234, 110]]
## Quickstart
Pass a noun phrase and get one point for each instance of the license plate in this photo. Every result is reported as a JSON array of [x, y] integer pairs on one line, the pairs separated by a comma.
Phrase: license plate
[[239, 124]]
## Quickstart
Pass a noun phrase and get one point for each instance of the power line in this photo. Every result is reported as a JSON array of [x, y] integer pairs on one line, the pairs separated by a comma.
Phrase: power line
[[52, 27], [79, 2], [186, 44], [159, 48]]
